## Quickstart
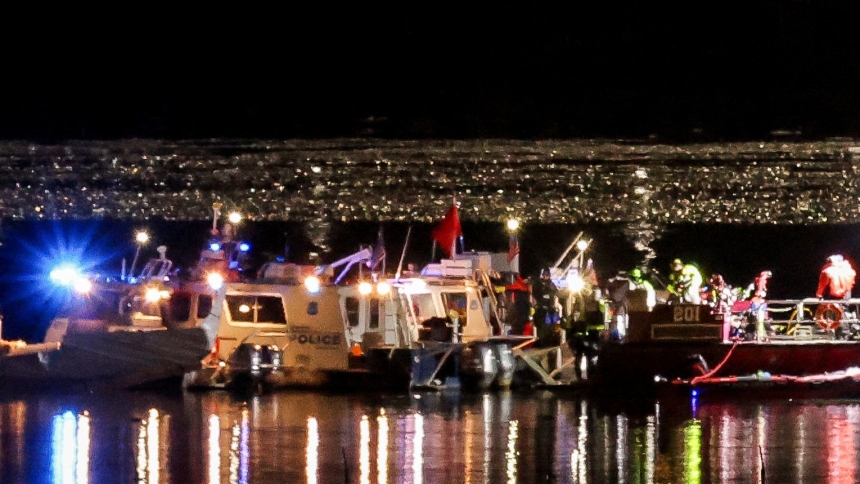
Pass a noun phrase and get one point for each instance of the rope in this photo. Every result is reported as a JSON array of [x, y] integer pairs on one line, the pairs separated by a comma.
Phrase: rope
[[716, 368], [781, 310]]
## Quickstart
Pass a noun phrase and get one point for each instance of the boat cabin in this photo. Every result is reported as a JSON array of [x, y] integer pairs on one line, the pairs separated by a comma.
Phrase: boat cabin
[[448, 304], [676, 322], [111, 305]]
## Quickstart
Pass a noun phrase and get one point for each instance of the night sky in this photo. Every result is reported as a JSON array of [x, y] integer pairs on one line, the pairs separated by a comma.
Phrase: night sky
[[678, 70]]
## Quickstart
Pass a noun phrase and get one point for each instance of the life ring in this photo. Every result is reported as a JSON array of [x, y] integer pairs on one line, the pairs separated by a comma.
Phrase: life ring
[[828, 316]]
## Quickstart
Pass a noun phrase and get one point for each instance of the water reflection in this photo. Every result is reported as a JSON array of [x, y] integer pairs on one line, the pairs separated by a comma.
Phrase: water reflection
[[70, 448], [312, 450], [391, 438]]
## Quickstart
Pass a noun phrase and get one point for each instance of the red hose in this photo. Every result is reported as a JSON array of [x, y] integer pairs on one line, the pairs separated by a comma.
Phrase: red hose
[[716, 368]]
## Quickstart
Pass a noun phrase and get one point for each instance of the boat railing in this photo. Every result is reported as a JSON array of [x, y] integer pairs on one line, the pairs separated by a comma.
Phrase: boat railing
[[805, 317]]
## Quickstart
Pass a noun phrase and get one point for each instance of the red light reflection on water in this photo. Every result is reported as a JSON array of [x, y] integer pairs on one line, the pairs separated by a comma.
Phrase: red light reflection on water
[[841, 460]]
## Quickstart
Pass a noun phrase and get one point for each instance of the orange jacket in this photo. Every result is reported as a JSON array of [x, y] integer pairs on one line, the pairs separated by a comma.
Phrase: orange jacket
[[839, 277]]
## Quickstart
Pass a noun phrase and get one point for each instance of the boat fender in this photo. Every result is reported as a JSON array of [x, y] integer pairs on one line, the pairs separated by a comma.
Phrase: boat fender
[[828, 316]]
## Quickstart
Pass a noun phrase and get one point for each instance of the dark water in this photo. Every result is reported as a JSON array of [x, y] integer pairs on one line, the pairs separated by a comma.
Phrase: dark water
[[429, 437]]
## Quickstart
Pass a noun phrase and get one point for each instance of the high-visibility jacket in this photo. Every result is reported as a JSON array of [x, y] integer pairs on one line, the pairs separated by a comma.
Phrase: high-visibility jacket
[[688, 279]]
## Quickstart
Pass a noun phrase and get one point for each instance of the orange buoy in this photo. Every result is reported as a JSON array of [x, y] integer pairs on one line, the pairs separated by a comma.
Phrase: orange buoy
[[828, 316]]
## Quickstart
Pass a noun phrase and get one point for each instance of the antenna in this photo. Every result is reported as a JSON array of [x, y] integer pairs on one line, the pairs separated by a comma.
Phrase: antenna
[[216, 212], [569, 247], [403, 254]]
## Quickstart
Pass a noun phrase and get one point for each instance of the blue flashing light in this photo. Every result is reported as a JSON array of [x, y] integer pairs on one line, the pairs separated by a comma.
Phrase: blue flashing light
[[214, 246], [695, 393], [65, 275], [244, 247]]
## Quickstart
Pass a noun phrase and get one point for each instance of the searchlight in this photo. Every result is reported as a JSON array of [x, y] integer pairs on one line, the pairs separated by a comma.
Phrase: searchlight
[[383, 288], [153, 295], [215, 280], [313, 284], [575, 283]]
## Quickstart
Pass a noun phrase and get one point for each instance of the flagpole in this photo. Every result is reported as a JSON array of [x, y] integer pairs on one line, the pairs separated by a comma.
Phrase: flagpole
[[514, 245], [382, 250], [460, 234], [403, 254]]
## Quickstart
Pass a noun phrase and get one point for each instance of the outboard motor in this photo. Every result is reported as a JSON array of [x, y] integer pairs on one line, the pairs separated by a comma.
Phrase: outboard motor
[[479, 366], [251, 364], [507, 364]]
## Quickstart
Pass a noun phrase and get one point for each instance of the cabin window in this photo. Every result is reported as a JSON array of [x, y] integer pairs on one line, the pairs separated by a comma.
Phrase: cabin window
[[204, 306], [374, 314], [180, 307], [455, 301], [256, 309], [422, 306], [352, 310], [99, 306]]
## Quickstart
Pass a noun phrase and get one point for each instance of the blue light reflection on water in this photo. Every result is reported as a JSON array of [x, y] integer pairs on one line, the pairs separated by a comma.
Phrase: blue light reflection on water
[[70, 448], [488, 438]]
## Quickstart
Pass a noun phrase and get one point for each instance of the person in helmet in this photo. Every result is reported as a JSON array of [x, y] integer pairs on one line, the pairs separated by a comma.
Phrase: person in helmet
[[642, 284], [837, 278], [546, 306], [760, 283], [719, 294], [618, 291], [685, 283]]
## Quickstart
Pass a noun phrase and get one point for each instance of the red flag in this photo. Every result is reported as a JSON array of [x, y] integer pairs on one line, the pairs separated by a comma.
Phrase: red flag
[[519, 285], [448, 230], [513, 248]]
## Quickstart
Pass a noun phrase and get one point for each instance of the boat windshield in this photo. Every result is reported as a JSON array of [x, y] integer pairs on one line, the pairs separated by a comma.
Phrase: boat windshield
[[256, 309], [99, 306], [422, 306]]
